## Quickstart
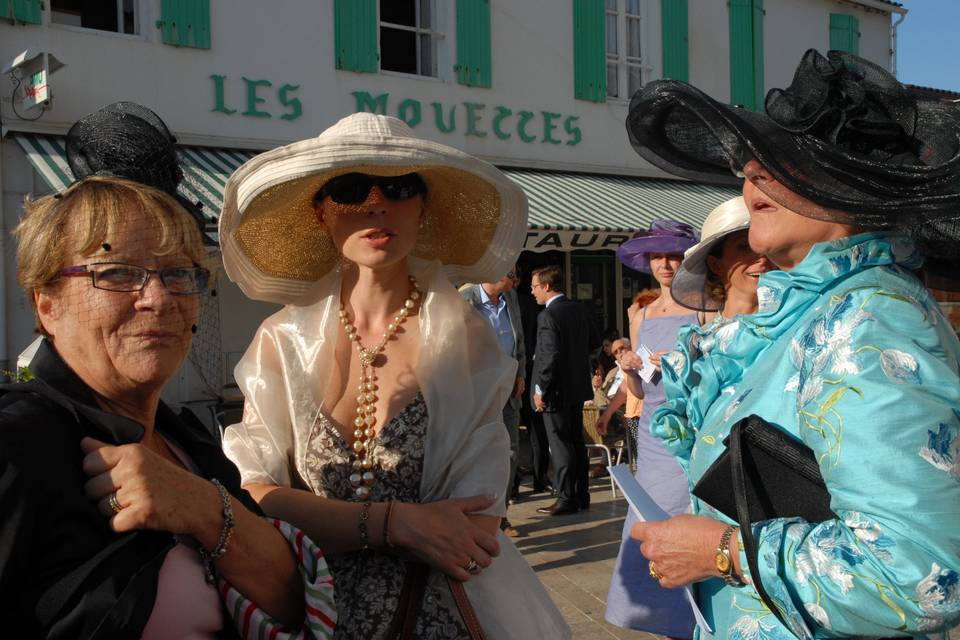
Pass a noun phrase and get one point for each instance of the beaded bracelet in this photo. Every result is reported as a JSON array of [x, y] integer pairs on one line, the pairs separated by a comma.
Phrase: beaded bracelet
[[364, 532], [209, 557], [386, 526]]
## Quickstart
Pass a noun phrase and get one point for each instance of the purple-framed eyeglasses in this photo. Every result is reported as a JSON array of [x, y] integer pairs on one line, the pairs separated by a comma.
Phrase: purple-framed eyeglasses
[[121, 277]]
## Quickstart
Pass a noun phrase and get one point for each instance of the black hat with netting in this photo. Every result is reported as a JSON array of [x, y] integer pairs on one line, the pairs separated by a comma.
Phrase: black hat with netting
[[845, 135], [127, 140]]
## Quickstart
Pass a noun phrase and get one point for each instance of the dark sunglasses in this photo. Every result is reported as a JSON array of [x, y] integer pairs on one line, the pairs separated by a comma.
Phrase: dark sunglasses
[[353, 188]]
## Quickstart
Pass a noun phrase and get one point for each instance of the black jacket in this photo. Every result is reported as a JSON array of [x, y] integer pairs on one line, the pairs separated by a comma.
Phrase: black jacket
[[63, 572], [561, 367]]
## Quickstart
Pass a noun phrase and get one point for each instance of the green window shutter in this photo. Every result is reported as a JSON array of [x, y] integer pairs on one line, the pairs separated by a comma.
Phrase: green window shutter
[[185, 23], [473, 43], [675, 33], [589, 50], [746, 53], [5, 7], [28, 11], [355, 35], [844, 33]]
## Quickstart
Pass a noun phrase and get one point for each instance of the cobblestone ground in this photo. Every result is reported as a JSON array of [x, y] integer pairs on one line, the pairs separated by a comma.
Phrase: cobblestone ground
[[574, 555]]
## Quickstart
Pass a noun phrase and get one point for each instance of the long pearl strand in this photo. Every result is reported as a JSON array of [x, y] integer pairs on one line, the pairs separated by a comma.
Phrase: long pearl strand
[[362, 476]]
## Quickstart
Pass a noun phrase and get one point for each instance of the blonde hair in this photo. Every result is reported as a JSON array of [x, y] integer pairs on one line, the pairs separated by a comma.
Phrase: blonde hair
[[80, 219]]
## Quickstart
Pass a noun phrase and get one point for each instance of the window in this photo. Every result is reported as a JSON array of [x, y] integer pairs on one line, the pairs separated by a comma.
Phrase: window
[[626, 47], [408, 42], [119, 16]]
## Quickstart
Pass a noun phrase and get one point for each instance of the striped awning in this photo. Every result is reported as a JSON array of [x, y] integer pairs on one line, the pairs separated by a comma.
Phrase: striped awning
[[205, 169], [567, 210]]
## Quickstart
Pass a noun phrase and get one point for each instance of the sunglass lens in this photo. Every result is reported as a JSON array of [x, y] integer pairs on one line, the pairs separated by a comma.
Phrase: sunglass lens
[[401, 187], [349, 189]]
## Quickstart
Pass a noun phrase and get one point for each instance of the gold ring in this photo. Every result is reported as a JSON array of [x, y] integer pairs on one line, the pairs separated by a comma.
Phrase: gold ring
[[654, 573], [114, 504], [473, 568]]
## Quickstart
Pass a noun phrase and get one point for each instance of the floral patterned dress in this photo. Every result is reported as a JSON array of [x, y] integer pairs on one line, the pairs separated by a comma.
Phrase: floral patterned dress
[[851, 354], [367, 584]]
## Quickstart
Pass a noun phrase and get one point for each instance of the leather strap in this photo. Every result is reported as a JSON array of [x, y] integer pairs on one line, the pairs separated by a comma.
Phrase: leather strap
[[466, 609], [738, 476]]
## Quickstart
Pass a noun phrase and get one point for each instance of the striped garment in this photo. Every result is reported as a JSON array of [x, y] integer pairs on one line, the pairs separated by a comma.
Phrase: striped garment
[[254, 624]]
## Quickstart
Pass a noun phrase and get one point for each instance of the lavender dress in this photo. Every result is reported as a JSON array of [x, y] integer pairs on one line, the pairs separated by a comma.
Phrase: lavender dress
[[635, 600]]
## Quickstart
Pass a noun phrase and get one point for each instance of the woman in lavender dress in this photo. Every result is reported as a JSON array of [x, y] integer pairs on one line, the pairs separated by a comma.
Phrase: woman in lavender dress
[[636, 600]]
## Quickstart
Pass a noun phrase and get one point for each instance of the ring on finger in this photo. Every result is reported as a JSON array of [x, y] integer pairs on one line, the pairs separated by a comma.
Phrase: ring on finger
[[473, 567], [114, 504], [656, 575]]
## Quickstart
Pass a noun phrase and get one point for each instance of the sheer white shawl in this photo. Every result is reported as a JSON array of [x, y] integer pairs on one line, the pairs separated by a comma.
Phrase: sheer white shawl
[[465, 380]]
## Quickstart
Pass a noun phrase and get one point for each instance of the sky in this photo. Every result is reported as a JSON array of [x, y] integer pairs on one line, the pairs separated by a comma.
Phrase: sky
[[928, 51]]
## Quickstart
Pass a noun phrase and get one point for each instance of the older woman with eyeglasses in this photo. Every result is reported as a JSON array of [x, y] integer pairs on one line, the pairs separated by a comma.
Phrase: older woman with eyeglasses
[[121, 518]]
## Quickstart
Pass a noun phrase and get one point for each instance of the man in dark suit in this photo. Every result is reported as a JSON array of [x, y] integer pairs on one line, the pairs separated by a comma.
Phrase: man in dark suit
[[497, 302], [561, 383]]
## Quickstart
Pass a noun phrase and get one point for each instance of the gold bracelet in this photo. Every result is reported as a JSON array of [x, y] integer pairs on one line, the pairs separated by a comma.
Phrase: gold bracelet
[[364, 532], [386, 526]]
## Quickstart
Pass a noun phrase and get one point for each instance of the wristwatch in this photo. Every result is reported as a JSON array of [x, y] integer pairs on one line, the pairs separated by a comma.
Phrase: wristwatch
[[724, 562]]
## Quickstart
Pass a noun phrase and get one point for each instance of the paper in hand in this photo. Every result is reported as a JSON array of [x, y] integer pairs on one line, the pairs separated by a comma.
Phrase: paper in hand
[[645, 508], [648, 369], [615, 385]]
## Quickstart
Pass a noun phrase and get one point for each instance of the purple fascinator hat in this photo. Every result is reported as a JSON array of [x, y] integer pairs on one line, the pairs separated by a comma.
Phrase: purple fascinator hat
[[663, 236]]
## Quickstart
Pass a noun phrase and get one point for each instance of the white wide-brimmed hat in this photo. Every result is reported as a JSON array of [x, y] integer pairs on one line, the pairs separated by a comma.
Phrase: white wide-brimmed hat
[[275, 248], [690, 287]]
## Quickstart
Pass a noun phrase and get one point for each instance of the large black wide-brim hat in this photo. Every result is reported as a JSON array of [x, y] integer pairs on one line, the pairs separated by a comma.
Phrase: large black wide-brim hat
[[845, 135], [128, 140]]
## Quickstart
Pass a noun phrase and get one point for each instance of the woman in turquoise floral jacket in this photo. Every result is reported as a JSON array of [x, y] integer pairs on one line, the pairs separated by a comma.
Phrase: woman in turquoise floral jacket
[[848, 352]]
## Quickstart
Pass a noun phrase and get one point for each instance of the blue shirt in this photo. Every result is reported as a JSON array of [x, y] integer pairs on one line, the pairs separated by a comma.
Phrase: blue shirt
[[850, 354], [499, 319]]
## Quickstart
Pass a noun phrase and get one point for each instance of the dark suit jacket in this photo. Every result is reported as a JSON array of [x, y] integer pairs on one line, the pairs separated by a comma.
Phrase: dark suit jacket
[[561, 366], [471, 294], [63, 572]]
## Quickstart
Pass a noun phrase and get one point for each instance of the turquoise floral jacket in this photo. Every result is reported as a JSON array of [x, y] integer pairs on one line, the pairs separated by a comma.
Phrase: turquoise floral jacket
[[851, 354]]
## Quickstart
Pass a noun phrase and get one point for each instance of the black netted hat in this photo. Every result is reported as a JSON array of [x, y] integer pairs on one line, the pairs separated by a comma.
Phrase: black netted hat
[[845, 135], [127, 140]]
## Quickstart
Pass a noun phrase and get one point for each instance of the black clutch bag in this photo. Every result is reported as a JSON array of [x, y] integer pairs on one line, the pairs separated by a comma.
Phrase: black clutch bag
[[764, 473], [781, 476]]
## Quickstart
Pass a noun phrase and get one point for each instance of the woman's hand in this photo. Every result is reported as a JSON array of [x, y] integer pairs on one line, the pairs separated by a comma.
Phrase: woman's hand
[[682, 549], [655, 358], [602, 423], [630, 362], [153, 493], [441, 534]]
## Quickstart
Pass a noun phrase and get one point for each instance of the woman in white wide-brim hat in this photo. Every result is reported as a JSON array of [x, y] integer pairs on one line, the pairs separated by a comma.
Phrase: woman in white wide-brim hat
[[720, 272], [373, 399]]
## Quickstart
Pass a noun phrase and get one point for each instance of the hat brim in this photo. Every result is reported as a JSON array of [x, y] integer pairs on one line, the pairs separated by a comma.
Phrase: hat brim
[[687, 133], [635, 253], [689, 287], [274, 246]]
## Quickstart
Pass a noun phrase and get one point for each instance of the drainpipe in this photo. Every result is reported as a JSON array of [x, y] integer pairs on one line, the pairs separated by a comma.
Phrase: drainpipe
[[893, 42], [5, 291]]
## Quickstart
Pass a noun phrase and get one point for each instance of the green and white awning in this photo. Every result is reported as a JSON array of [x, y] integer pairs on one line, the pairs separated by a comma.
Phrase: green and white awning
[[571, 211], [205, 169], [567, 210]]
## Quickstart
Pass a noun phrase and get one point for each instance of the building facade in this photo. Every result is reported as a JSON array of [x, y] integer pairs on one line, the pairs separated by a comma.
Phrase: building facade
[[540, 88]]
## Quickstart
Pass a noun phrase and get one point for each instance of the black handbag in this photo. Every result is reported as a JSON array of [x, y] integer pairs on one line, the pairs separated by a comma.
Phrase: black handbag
[[764, 473]]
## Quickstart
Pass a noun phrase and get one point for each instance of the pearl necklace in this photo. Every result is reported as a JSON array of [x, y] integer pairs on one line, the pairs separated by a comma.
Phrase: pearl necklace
[[361, 476]]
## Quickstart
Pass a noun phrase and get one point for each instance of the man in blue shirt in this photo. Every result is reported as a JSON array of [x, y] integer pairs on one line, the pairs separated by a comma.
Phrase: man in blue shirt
[[497, 301]]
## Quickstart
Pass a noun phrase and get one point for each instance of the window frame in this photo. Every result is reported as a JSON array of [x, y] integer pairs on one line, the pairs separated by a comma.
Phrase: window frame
[[138, 22], [622, 60], [437, 37]]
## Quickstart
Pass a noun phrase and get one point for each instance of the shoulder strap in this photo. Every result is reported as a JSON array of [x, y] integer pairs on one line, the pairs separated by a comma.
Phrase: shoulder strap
[[738, 477]]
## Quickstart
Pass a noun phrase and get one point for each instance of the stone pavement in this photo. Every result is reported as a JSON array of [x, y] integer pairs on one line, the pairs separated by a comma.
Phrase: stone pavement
[[573, 555]]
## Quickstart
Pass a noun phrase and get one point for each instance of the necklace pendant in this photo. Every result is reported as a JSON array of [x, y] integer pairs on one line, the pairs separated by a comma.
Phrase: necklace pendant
[[367, 356]]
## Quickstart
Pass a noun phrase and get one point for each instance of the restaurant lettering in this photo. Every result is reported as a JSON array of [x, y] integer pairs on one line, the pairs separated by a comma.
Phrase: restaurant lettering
[[257, 104], [479, 120], [552, 240]]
